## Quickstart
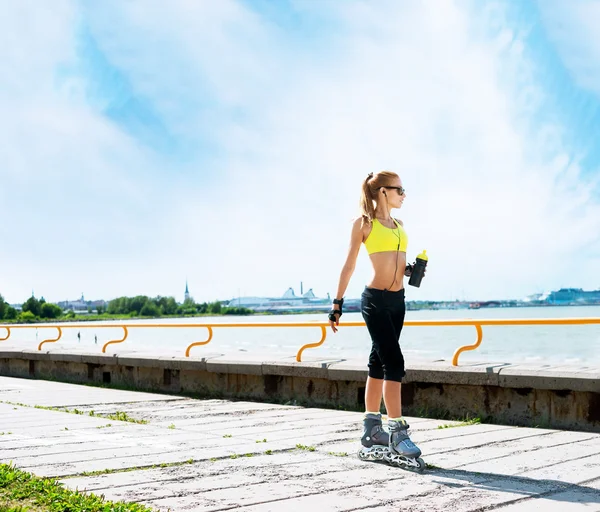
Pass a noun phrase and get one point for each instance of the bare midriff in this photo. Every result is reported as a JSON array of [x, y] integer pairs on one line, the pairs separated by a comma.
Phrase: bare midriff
[[388, 270]]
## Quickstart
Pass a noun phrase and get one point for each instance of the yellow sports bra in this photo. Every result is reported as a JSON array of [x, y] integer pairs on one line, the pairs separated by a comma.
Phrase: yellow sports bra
[[382, 239]]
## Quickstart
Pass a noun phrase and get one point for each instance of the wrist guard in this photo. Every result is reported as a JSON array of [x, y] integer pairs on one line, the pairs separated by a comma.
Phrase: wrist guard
[[334, 312]]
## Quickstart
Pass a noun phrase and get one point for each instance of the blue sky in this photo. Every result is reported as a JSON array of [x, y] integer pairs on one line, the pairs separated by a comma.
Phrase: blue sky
[[225, 142]]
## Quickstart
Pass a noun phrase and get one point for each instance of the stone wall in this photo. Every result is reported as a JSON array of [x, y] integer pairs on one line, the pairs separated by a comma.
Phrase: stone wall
[[504, 394]]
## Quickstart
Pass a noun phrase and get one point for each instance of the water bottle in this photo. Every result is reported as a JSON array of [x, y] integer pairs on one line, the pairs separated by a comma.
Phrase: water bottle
[[418, 270]]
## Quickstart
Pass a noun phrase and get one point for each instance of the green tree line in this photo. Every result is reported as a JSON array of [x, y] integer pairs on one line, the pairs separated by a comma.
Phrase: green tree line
[[140, 306], [32, 309]]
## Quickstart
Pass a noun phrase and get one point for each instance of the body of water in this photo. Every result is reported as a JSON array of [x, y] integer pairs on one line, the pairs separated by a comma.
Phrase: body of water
[[540, 344]]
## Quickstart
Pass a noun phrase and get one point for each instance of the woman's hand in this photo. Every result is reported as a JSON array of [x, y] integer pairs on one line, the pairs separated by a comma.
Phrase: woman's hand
[[409, 268], [333, 314]]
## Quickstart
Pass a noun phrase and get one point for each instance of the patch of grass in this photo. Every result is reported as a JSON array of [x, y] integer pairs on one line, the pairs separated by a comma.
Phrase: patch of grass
[[21, 491], [171, 426], [431, 466], [304, 447], [227, 435], [234, 456], [117, 416], [465, 423], [261, 441], [339, 454], [105, 426], [269, 452], [123, 416], [5, 433], [127, 470], [101, 472]]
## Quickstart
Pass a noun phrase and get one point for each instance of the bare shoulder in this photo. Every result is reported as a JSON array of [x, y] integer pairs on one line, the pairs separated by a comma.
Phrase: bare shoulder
[[399, 221], [361, 225], [362, 222]]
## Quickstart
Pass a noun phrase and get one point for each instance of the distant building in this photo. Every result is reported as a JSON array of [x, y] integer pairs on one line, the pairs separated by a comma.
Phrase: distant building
[[186, 295], [289, 302], [573, 296], [81, 305]]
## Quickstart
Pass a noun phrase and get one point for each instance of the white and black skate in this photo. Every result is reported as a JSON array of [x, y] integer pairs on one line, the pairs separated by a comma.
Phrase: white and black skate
[[380, 453], [395, 448]]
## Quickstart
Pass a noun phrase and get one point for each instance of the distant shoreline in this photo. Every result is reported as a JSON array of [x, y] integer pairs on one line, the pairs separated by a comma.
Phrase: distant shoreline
[[106, 318]]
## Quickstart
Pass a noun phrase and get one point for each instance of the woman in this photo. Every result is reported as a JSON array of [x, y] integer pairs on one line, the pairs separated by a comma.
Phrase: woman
[[383, 309]]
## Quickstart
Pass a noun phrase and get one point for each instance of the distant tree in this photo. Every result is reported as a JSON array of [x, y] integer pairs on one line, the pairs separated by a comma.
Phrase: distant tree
[[119, 306], [237, 311], [50, 310], [10, 313], [3, 307], [215, 308], [150, 309], [166, 305], [27, 317], [170, 307], [32, 305], [100, 309], [137, 303]]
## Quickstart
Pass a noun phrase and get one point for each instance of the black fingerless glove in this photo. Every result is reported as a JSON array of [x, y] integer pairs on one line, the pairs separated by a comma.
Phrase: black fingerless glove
[[334, 312], [408, 270]]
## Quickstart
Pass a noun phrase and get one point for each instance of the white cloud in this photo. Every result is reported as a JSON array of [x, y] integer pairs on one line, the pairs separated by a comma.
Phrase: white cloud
[[497, 199]]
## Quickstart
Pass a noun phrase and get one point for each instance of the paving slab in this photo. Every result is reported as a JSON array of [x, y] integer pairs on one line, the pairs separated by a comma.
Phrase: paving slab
[[213, 455]]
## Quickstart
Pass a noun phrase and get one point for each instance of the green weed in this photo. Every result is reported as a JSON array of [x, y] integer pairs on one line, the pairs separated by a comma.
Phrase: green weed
[[21, 491], [304, 447]]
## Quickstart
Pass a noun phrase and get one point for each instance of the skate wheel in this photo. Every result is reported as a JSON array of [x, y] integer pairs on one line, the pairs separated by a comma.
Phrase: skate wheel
[[421, 464], [378, 455], [362, 455]]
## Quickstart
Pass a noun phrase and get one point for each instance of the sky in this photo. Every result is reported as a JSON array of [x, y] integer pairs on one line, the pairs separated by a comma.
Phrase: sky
[[144, 143]]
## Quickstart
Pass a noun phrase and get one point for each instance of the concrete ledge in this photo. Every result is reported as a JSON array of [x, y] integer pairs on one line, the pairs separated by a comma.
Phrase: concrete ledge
[[285, 369], [146, 362], [349, 372], [499, 374], [32, 355], [182, 363], [473, 375], [234, 367], [64, 357], [515, 377], [100, 359]]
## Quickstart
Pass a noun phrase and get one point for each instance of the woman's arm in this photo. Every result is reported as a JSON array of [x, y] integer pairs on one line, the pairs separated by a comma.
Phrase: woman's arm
[[356, 239]]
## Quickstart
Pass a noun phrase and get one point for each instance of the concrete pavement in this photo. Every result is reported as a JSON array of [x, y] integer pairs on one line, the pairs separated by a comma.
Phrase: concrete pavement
[[212, 455]]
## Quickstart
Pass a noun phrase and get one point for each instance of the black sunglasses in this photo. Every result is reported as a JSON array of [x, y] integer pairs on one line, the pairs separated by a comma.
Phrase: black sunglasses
[[401, 190]]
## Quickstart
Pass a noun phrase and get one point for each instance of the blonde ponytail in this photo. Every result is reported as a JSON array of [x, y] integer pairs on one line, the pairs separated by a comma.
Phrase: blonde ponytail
[[367, 208], [369, 192]]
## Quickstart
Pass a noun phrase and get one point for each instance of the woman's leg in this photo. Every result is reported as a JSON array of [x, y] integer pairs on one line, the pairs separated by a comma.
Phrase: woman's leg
[[392, 358], [370, 308], [373, 394], [392, 398], [390, 390]]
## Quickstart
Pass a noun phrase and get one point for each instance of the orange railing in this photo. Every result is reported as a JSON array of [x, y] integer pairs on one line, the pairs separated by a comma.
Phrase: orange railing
[[323, 326]]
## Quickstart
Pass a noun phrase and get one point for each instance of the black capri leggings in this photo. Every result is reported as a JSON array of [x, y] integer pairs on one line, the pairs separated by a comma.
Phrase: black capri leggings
[[384, 312]]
